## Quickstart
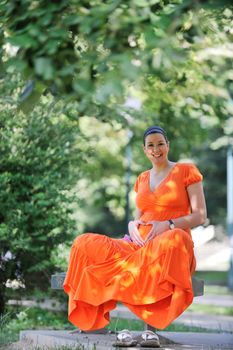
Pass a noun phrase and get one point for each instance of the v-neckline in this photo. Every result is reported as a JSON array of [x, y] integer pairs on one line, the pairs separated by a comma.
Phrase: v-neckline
[[161, 182]]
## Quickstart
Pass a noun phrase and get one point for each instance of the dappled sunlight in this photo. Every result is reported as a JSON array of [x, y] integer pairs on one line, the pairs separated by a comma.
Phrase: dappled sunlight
[[153, 281], [117, 256], [179, 239], [96, 73], [94, 291], [155, 269], [126, 281], [169, 191], [146, 314], [127, 265]]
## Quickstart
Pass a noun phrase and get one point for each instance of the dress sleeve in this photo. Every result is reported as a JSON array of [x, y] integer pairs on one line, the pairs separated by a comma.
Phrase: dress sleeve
[[192, 175], [137, 184]]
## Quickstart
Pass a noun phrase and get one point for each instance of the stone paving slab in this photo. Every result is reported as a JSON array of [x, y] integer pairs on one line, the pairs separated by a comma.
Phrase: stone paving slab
[[216, 300], [216, 322], [183, 341]]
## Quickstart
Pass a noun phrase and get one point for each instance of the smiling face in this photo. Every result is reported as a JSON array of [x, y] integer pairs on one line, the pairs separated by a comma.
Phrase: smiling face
[[156, 148]]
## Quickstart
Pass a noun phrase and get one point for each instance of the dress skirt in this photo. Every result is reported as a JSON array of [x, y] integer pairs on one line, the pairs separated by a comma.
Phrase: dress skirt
[[153, 281]]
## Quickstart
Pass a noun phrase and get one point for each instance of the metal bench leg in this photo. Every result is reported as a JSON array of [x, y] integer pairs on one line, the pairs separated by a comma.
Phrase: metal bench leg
[[149, 328]]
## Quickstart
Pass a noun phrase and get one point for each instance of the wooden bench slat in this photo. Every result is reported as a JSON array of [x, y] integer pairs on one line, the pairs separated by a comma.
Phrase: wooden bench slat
[[57, 281]]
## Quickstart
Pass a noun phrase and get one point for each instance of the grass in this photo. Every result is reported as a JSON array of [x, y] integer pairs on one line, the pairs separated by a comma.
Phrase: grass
[[11, 323], [117, 324], [34, 318], [21, 318], [31, 318], [217, 290], [219, 278]]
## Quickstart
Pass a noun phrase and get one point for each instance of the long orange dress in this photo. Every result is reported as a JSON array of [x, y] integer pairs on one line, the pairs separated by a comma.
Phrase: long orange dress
[[153, 281]]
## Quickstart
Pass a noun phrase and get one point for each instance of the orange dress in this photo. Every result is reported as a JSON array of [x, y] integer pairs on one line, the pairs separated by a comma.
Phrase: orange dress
[[153, 281]]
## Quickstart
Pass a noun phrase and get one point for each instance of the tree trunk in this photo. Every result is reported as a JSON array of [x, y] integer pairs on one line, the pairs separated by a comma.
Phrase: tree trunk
[[2, 299]]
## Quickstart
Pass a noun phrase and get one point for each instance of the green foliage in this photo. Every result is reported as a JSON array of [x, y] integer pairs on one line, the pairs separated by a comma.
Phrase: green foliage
[[214, 278], [12, 323], [192, 98], [40, 153], [213, 165], [91, 52], [34, 318], [101, 190], [67, 59]]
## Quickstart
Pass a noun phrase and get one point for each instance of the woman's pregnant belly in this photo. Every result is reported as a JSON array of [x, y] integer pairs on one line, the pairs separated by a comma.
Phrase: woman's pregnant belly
[[144, 230]]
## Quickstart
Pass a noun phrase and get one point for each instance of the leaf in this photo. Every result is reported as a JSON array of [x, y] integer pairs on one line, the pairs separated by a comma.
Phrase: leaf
[[24, 41], [16, 64], [71, 19], [51, 47], [112, 86], [82, 86], [141, 3], [34, 30], [44, 67]]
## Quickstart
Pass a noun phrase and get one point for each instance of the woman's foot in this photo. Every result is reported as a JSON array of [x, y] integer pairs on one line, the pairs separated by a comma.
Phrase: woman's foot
[[149, 339], [125, 339]]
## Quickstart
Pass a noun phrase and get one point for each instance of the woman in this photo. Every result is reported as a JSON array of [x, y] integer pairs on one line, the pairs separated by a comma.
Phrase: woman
[[149, 270]]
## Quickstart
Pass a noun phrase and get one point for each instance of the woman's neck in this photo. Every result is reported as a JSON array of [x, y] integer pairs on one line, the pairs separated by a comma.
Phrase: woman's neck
[[159, 168]]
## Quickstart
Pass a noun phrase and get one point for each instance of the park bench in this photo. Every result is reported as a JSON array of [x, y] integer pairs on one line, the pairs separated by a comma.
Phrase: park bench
[[57, 281], [58, 278]]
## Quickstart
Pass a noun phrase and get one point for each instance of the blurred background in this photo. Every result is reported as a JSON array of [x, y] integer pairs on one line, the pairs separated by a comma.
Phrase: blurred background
[[79, 84]]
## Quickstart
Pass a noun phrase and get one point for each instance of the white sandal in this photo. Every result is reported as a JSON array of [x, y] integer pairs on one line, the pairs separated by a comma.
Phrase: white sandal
[[149, 339], [125, 339]]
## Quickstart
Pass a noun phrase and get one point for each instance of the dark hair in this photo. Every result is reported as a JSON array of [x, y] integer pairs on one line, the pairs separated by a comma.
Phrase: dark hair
[[154, 130]]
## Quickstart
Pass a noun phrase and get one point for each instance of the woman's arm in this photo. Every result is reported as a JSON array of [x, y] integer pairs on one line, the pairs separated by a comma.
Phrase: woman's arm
[[138, 214], [198, 208], [197, 217]]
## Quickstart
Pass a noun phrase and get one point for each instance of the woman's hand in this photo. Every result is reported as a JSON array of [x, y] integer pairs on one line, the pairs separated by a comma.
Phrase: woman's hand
[[134, 233], [158, 227]]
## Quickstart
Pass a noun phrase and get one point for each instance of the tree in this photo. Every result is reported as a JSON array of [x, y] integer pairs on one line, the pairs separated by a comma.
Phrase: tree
[[40, 153], [73, 48], [83, 59], [193, 98]]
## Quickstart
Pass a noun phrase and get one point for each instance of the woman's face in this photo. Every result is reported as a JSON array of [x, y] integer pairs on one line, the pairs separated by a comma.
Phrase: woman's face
[[156, 148]]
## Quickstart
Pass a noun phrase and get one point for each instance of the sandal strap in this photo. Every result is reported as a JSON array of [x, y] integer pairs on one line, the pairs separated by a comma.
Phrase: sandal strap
[[124, 334], [149, 335]]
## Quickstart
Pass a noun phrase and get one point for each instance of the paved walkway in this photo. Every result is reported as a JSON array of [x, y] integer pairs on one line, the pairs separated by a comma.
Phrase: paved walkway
[[220, 339], [212, 248], [216, 300], [188, 318], [169, 340]]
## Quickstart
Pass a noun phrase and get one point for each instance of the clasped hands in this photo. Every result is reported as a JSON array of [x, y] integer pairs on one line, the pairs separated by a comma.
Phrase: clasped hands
[[158, 227]]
